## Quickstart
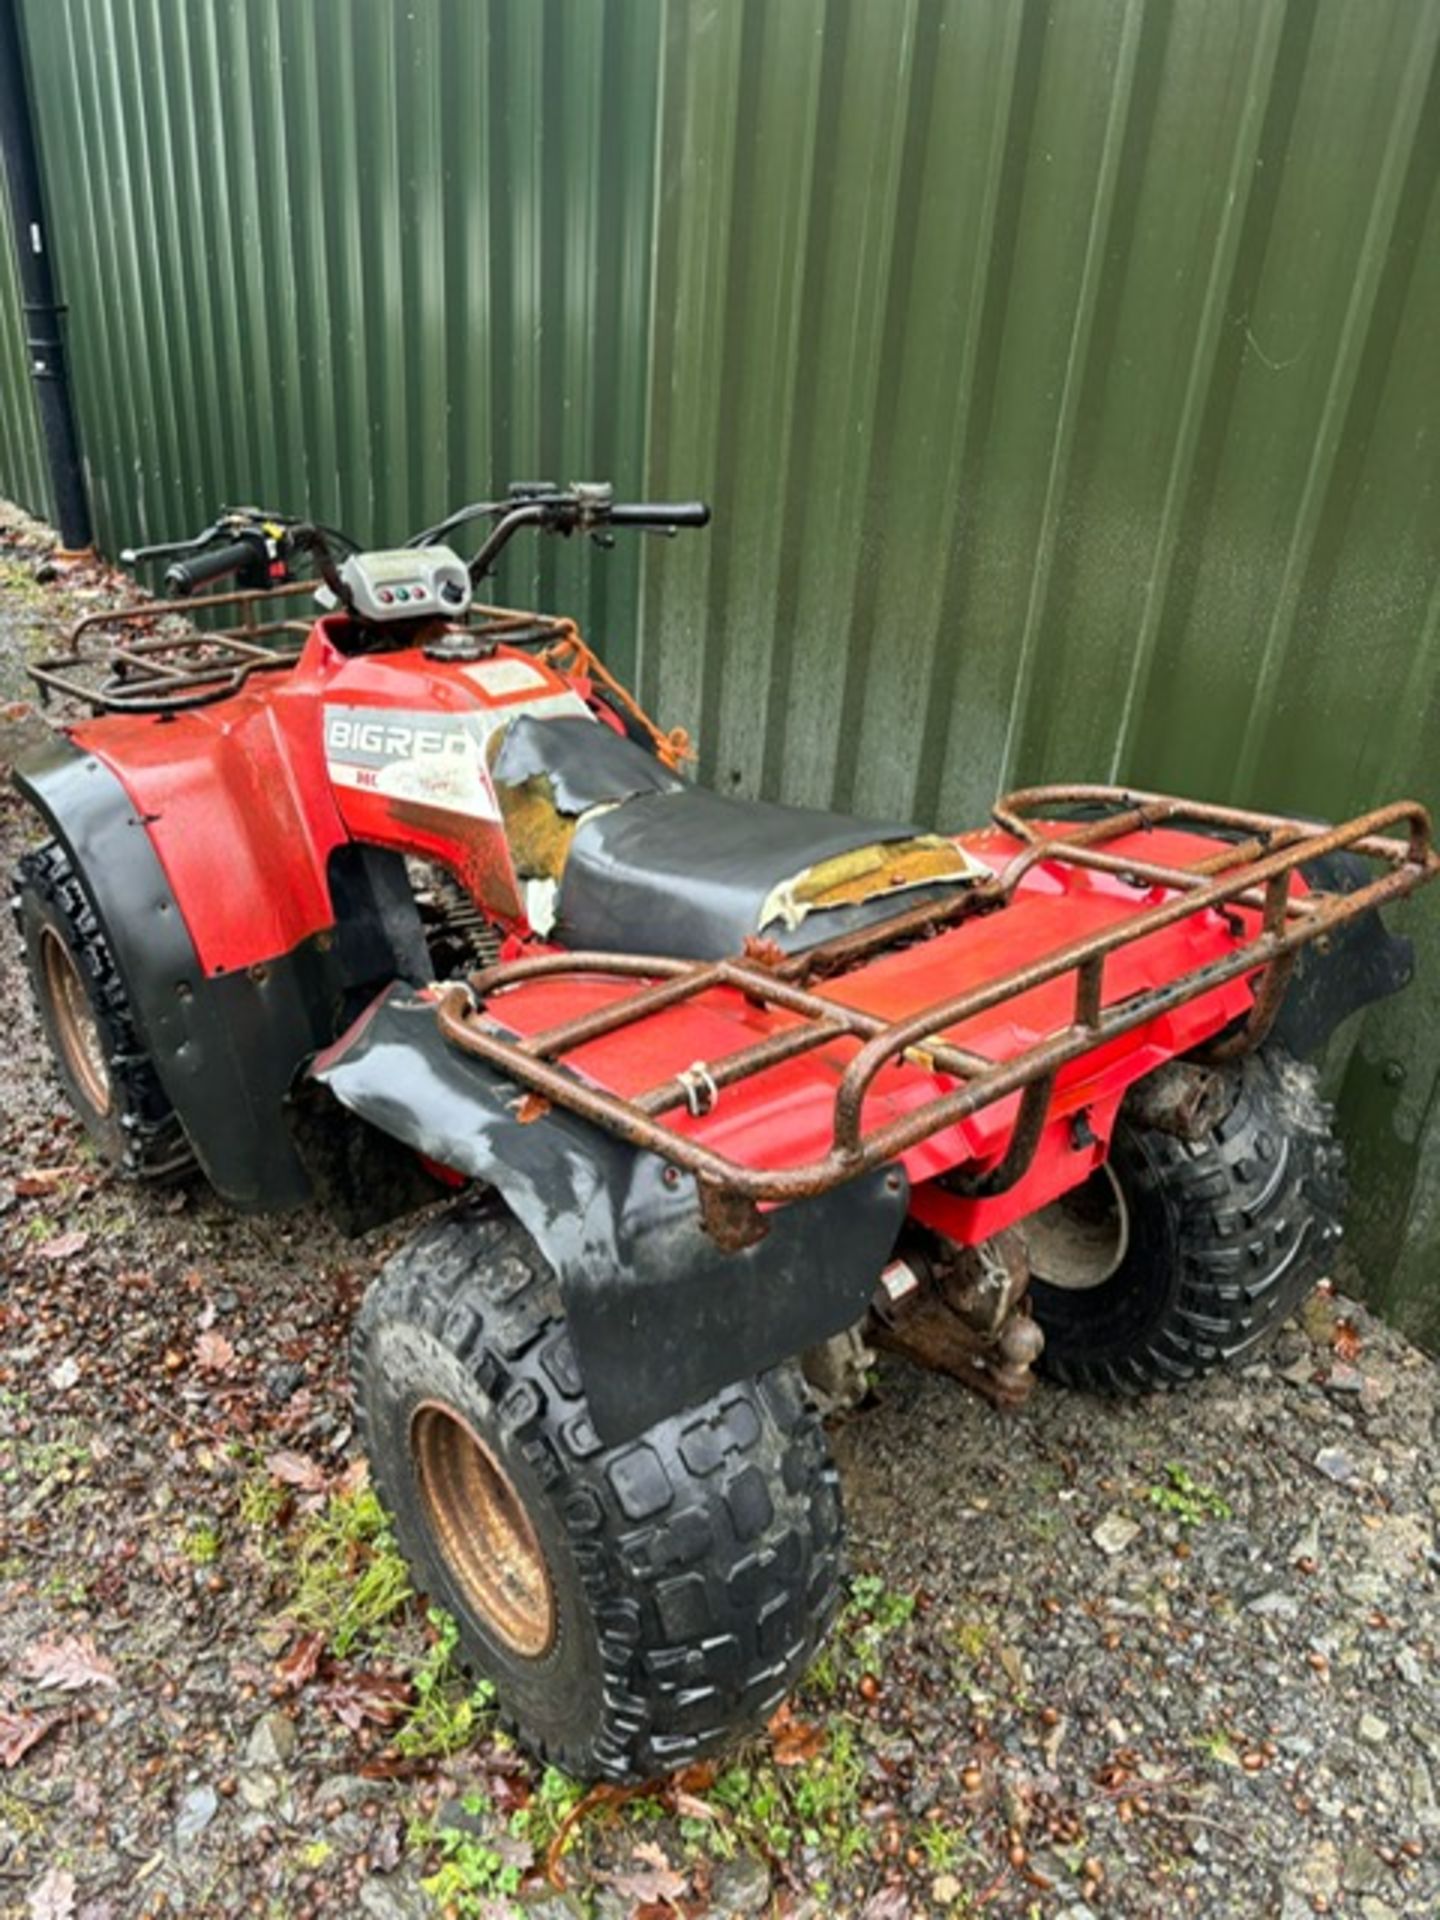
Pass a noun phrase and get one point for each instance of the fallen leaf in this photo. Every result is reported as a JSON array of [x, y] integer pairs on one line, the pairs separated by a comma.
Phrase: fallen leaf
[[890, 1903], [297, 1470], [41, 1180], [655, 1880], [358, 1697], [698, 1777], [1346, 1340], [395, 1766], [65, 1373], [302, 1661], [794, 1741], [352, 1479], [69, 1664], [214, 1353], [53, 1898], [603, 1795], [22, 1730], [66, 1246], [691, 1807]]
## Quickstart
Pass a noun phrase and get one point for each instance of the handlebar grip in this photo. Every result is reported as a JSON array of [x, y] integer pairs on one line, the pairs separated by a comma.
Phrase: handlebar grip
[[186, 575], [673, 513]]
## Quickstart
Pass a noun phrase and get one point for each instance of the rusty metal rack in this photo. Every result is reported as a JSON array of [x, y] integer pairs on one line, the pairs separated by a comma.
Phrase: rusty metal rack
[[1252, 871], [169, 672]]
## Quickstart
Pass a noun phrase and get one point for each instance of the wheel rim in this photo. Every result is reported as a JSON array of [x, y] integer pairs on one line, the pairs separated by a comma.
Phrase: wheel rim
[[76, 1028], [483, 1530], [1080, 1240]]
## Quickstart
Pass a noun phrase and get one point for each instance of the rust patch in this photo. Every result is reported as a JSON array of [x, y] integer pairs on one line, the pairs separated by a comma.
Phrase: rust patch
[[1289, 922], [966, 1315], [762, 952], [732, 1221], [481, 1525]]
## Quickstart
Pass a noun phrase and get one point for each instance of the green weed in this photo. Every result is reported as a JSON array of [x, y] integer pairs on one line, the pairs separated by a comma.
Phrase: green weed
[[472, 1871], [201, 1545], [972, 1637], [942, 1847], [261, 1503], [817, 1804], [869, 1617], [449, 1710], [1186, 1498], [349, 1578], [887, 1609], [555, 1798]]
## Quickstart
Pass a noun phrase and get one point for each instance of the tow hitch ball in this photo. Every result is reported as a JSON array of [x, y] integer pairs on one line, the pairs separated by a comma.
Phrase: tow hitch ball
[[962, 1311]]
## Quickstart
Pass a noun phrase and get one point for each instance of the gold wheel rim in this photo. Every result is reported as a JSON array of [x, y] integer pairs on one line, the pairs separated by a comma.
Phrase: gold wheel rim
[[76, 1027], [483, 1530]]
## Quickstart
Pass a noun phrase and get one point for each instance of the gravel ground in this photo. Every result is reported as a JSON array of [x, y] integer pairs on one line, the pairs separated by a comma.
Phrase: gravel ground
[[1175, 1657]]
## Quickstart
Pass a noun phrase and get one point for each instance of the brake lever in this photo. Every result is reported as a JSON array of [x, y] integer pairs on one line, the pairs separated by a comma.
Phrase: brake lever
[[129, 556]]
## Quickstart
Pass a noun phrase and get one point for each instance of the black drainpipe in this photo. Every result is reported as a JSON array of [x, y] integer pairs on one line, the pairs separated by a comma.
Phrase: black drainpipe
[[37, 288]]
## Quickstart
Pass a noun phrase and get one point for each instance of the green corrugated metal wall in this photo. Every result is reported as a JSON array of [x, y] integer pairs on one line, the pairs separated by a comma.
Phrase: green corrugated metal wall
[[1066, 377], [23, 474]]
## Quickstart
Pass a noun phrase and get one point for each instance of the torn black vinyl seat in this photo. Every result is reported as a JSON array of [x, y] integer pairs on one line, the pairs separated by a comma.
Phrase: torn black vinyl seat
[[584, 763], [657, 866], [690, 873]]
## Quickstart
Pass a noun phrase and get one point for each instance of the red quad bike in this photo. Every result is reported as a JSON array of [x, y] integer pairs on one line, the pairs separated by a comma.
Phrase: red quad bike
[[411, 897]]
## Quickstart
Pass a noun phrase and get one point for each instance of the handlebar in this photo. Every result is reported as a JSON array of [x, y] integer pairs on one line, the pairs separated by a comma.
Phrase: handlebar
[[261, 545], [589, 508], [186, 575], [676, 513]]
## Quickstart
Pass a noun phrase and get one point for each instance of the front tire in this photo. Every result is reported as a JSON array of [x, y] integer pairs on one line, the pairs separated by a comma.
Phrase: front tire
[[635, 1606], [1180, 1256], [109, 1078]]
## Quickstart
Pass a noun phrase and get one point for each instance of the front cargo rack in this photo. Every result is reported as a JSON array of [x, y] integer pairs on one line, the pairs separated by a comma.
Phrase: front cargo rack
[[152, 658], [1252, 871], [116, 661]]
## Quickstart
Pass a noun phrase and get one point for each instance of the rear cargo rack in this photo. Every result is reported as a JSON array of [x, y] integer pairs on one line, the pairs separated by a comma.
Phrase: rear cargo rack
[[1252, 872]]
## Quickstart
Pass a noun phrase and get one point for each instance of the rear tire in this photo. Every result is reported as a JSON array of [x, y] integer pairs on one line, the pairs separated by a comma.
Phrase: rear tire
[[109, 1078], [635, 1606], [1213, 1241]]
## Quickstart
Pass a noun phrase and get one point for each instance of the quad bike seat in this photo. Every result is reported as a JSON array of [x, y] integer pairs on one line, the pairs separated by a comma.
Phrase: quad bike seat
[[653, 865]]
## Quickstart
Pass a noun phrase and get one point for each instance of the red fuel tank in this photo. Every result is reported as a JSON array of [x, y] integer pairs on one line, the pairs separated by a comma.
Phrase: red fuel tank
[[245, 800]]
